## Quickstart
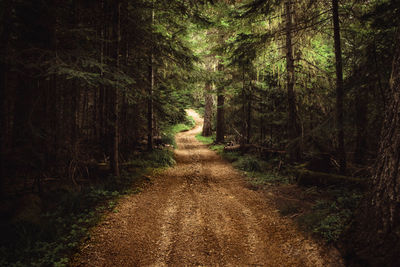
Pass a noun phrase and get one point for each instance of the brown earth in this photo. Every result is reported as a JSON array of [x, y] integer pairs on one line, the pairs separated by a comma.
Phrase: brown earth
[[199, 213]]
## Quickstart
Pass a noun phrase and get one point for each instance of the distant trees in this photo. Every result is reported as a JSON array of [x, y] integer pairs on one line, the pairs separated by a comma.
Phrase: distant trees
[[295, 83]]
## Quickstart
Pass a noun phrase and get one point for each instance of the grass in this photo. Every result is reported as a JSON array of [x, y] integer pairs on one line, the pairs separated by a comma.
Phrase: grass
[[168, 135], [258, 171], [207, 140], [57, 236]]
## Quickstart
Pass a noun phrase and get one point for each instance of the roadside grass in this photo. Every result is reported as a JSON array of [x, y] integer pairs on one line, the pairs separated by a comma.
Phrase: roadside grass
[[168, 134], [207, 140], [58, 233], [322, 212], [259, 172]]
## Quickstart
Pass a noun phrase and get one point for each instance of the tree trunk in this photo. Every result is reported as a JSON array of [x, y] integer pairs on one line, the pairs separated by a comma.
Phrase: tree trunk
[[374, 238], [361, 125], [339, 89], [249, 109], [207, 131], [220, 111], [150, 115], [4, 37], [243, 117], [293, 132], [115, 108]]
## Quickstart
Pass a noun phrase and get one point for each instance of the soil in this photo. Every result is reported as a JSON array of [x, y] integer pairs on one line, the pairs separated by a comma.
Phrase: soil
[[200, 213]]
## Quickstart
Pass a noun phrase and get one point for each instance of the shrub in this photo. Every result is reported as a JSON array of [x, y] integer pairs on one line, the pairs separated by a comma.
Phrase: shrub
[[248, 163], [329, 218]]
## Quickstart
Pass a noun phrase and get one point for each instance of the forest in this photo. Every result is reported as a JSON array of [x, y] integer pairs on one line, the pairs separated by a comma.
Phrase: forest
[[176, 116]]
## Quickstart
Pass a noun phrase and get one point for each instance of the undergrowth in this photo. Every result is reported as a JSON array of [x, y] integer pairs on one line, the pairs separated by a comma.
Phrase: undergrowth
[[58, 233], [52, 240], [258, 171], [168, 135], [331, 214]]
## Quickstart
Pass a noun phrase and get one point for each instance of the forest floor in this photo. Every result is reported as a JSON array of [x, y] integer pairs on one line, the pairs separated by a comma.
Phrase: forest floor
[[200, 213]]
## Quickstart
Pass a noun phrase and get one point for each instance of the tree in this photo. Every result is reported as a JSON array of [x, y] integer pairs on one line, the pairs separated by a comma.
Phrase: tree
[[150, 115], [374, 235], [115, 105], [339, 88], [208, 109], [293, 132], [220, 135]]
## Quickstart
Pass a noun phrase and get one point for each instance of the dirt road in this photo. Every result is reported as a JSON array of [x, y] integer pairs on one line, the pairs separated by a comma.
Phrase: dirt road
[[198, 213]]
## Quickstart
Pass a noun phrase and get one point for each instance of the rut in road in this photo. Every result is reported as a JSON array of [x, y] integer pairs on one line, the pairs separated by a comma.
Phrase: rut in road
[[199, 213]]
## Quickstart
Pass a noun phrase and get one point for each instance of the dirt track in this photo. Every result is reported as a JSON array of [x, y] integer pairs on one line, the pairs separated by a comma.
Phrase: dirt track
[[199, 213]]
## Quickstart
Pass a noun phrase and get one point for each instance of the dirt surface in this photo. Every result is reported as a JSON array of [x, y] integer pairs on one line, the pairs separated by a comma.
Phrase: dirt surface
[[199, 213]]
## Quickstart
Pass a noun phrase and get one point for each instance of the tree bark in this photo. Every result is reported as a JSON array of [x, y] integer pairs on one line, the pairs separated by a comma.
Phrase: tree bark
[[150, 115], [361, 125], [220, 111], [248, 123], [374, 238], [207, 131], [339, 88], [115, 106], [4, 38], [293, 132]]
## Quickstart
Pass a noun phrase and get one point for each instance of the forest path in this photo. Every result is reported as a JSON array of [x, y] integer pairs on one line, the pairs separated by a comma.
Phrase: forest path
[[198, 213]]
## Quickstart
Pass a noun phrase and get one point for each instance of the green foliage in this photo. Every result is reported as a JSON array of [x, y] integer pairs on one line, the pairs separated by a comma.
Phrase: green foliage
[[330, 217], [168, 135], [207, 140], [249, 164], [60, 232], [160, 158]]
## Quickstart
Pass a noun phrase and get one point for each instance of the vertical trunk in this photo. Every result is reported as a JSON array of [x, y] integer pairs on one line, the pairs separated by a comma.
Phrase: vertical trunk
[[115, 104], [150, 115], [293, 134], [339, 88], [220, 117], [248, 123], [374, 235], [243, 117], [101, 100], [207, 131], [4, 37], [361, 125], [220, 138]]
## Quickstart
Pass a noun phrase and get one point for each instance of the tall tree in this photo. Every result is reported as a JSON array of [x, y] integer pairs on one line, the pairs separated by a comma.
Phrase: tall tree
[[293, 132], [374, 235], [4, 39], [115, 104], [150, 111], [220, 109], [208, 109], [339, 88]]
